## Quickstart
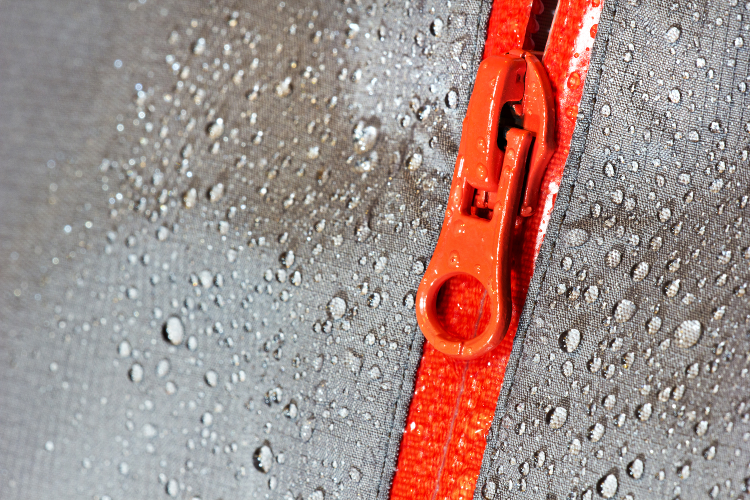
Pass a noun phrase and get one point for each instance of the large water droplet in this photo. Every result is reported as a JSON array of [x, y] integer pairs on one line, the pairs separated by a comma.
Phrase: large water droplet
[[557, 417], [688, 333], [607, 486]]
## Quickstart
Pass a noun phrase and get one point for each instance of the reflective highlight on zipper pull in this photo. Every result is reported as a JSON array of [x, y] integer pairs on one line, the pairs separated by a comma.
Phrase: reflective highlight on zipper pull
[[506, 143]]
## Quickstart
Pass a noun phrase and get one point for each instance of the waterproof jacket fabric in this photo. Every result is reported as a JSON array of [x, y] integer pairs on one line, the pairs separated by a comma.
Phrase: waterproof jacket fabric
[[216, 216], [629, 372]]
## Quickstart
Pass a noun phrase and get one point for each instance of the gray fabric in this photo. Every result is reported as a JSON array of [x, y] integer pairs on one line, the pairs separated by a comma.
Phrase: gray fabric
[[103, 246], [645, 263]]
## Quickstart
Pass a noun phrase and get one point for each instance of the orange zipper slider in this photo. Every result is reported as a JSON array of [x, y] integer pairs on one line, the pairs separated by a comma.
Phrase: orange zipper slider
[[511, 111]]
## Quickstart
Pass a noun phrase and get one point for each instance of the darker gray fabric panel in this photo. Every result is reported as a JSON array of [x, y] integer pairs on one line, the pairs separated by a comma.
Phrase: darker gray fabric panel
[[630, 374], [216, 215]]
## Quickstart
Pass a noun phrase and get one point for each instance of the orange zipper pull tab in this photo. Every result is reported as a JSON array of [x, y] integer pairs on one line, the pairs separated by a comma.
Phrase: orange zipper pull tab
[[510, 112]]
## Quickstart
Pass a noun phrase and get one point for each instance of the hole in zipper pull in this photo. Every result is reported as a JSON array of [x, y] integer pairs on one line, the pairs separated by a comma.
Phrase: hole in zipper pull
[[540, 23]]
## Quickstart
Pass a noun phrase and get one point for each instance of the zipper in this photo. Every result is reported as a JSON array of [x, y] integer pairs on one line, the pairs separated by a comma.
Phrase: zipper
[[497, 177], [454, 399]]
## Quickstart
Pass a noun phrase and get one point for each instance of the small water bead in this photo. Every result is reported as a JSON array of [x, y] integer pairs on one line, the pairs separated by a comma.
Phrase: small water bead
[[263, 458], [591, 294], [172, 488], [174, 330], [640, 271], [216, 129], [436, 28], [644, 412], [207, 419], [576, 237], [672, 288], [211, 378], [635, 468], [557, 417], [624, 310], [190, 197], [653, 325], [594, 364], [628, 359], [364, 136], [606, 110], [284, 87], [136, 373], [337, 308], [451, 99], [415, 161], [570, 340], [162, 368], [673, 34], [317, 494], [709, 453], [688, 333], [613, 258], [199, 47], [675, 95], [567, 368], [489, 490], [124, 349], [596, 432], [216, 192]]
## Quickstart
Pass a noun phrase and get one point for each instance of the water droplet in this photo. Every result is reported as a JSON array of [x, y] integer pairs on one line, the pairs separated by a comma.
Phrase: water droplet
[[284, 88], [124, 349], [365, 136], [263, 458], [451, 99], [557, 417], [216, 192], [489, 490], [337, 307], [174, 331], [673, 34], [317, 494], [415, 161], [644, 412], [576, 237], [596, 432], [635, 468], [607, 486], [136, 373], [606, 110], [614, 257], [211, 378], [162, 368], [216, 129], [436, 28], [640, 271], [675, 95], [569, 340], [688, 333], [624, 310]]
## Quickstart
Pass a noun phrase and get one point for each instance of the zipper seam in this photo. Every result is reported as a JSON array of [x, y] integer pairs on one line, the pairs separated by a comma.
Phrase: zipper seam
[[559, 215], [409, 377], [457, 404]]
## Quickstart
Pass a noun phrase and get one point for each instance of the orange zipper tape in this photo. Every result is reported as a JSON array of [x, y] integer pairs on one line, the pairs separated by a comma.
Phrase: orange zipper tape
[[454, 400]]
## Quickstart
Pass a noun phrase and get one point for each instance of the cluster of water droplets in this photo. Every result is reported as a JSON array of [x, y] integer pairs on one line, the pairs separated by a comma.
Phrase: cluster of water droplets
[[273, 197], [633, 381]]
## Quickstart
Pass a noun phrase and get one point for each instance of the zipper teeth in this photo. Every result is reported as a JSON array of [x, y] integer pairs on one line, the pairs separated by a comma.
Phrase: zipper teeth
[[457, 404]]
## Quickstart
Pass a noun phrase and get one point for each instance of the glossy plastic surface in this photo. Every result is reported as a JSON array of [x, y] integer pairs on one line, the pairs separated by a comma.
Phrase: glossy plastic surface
[[484, 200]]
